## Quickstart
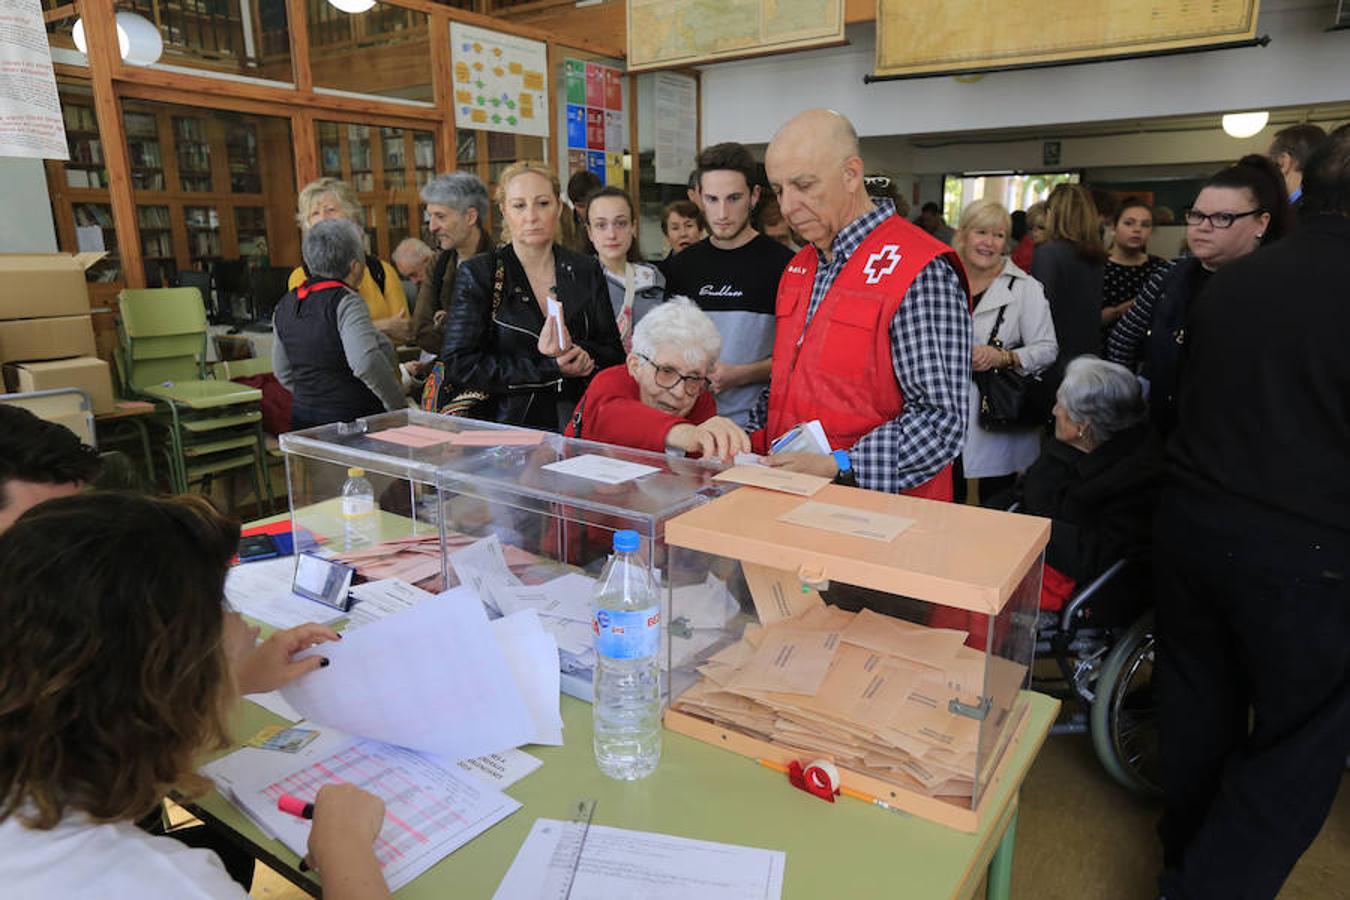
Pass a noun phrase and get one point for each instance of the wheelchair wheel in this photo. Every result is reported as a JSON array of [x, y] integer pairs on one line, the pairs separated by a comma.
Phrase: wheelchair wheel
[[1124, 718]]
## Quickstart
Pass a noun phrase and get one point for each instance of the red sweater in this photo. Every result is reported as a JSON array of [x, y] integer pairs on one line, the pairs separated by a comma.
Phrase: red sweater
[[612, 412]]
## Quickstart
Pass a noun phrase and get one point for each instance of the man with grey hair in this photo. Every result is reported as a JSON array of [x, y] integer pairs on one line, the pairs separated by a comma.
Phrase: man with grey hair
[[327, 352], [412, 257], [874, 330], [457, 210]]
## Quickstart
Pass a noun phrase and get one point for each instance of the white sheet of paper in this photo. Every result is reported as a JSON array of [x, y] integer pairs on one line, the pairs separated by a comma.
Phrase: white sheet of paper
[[262, 591], [572, 636], [861, 523], [431, 678], [89, 238], [501, 770], [603, 469], [374, 600], [532, 655], [617, 864], [555, 316], [431, 807], [482, 565], [567, 597]]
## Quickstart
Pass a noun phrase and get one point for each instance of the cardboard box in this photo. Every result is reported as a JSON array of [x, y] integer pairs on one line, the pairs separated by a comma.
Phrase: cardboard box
[[87, 373], [23, 340], [42, 285]]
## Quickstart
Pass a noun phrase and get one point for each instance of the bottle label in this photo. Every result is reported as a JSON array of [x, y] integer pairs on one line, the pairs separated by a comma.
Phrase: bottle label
[[627, 634], [357, 507]]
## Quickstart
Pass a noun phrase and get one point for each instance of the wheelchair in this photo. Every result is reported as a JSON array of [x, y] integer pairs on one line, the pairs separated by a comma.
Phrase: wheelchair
[[1104, 653]]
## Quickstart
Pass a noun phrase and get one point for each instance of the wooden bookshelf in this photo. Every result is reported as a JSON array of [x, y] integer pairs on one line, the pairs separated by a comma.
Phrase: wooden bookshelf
[[386, 166], [208, 185]]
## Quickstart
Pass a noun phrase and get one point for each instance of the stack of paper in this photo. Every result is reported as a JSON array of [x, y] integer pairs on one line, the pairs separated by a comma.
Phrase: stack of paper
[[567, 859], [867, 690], [431, 808], [439, 679], [417, 560]]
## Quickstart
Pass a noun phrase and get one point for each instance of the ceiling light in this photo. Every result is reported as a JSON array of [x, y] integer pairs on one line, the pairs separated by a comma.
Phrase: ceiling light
[[138, 40], [1245, 125], [352, 6]]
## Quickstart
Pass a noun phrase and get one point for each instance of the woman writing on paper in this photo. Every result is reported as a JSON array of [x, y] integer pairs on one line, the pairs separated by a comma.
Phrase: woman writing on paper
[[500, 339], [119, 667]]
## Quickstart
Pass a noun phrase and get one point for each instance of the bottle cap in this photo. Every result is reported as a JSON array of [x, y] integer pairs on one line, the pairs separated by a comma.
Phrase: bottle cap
[[356, 472], [842, 460], [626, 541]]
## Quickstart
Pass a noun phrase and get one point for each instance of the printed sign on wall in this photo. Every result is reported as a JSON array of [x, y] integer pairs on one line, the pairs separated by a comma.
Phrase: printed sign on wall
[[500, 81], [597, 125]]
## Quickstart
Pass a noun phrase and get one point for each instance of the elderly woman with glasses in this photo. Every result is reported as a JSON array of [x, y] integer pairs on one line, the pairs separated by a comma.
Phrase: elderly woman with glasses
[[1239, 209], [659, 400]]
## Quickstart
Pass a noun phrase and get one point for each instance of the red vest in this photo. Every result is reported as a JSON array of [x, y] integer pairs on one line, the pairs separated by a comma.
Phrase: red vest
[[840, 371]]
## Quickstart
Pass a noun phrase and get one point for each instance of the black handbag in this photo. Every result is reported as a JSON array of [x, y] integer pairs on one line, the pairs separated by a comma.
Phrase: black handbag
[[1009, 399]]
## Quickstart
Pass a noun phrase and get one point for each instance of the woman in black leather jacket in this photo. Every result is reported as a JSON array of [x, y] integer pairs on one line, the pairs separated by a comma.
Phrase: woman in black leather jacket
[[493, 339]]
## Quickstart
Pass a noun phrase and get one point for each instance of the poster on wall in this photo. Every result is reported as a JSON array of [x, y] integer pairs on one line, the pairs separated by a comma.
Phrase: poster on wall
[[30, 111], [597, 124], [500, 81], [676, 127]]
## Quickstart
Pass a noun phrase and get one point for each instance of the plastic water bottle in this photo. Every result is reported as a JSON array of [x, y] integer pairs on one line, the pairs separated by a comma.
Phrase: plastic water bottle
[[359, 522], [627, 625]]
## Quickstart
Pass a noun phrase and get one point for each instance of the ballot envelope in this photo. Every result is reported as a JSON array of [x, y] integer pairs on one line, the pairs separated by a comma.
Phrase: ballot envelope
[[886, 634], [527, 518]]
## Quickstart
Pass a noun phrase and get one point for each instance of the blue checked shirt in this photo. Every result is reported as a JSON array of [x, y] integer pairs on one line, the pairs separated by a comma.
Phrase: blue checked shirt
[[930, 354]]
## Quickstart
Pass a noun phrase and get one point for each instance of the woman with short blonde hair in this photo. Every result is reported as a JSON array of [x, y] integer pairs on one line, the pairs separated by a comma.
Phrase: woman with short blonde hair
[[380, 287], [1012, 329]]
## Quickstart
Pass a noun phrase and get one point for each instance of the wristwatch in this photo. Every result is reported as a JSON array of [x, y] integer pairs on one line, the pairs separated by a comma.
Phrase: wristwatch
[[845, 474]]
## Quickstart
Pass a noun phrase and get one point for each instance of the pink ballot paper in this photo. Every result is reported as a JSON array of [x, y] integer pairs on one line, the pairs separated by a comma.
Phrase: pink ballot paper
[[415, 436]]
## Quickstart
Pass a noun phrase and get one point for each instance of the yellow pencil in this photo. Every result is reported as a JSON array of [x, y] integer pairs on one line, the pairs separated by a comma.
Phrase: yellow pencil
[[845, 791]]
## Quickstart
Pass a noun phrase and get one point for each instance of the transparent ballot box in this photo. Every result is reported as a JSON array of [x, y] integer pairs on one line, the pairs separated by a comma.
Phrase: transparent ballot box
[[885, 634], [525, 518]]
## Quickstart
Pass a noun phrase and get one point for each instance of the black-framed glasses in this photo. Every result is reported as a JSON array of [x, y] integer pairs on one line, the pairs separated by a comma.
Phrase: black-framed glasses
[[877, 181], [668, 377], [1218, 219]]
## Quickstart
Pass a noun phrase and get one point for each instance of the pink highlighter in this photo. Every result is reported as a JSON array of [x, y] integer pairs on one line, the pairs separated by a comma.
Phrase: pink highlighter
[[295, 806]]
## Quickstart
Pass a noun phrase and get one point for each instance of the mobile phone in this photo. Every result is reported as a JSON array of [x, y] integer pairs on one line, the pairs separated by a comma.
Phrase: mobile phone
[[258, 546], [323, 581]]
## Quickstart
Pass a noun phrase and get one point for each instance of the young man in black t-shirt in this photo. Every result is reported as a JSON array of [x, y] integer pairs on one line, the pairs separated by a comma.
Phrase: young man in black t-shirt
[[733, 277]]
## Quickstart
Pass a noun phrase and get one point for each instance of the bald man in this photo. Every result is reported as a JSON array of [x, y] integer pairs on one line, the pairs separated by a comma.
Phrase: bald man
[[874, 331]]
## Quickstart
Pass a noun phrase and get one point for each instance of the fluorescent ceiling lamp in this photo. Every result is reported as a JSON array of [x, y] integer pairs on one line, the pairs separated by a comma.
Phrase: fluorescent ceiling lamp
[[352, 6], [1244, 125], [138, 40]]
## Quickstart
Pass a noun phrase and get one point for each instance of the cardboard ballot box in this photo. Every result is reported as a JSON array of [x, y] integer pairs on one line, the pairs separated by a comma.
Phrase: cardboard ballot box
[[527, 518], [886, 634]]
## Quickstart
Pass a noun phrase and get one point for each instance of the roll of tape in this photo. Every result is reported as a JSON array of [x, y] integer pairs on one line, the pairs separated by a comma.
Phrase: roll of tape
[[822, 775]]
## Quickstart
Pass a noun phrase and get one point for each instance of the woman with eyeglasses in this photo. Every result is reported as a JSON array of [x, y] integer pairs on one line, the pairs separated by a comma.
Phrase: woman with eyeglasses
[[1239, 209], [635, 287], [659, 400], [500, 340]]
